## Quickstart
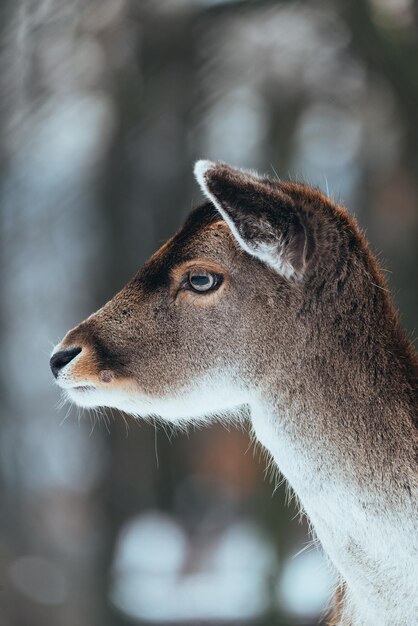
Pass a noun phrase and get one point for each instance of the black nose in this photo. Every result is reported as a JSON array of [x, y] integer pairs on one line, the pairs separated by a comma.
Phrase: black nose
[[61, 358]]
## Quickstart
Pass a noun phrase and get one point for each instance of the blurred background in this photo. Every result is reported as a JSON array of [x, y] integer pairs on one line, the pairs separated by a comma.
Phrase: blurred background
[[105, 105]]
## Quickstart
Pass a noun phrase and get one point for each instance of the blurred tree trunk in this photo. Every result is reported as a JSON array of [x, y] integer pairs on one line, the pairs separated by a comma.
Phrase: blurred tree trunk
[[393, 57]]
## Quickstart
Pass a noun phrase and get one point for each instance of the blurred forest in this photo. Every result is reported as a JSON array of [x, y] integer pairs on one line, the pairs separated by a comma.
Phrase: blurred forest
[[105, 105]]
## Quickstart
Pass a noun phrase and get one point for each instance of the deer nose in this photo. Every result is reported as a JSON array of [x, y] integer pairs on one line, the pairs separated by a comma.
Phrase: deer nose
[[60, 359]]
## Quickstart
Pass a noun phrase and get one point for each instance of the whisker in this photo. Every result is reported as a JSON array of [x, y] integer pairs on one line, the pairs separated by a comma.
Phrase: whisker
[[156, 444]]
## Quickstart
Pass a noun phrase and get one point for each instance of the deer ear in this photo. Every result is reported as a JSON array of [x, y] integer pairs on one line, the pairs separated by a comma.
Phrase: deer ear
[[262, 218]]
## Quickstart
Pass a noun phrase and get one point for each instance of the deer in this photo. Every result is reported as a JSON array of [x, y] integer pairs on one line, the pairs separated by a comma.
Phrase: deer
[[269, 299]]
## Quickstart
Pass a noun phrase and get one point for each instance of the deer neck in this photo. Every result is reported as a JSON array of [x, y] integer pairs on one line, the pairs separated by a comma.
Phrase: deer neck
[[350, 464]]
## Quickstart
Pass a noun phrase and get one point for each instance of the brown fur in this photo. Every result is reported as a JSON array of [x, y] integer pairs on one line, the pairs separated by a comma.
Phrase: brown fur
[[335, 616], [325, 343]]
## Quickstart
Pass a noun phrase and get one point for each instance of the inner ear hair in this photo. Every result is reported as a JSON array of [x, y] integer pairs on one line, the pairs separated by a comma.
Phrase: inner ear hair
[[262, 217]]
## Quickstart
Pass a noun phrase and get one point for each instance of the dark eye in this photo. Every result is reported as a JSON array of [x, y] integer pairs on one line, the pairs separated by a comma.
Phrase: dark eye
[[201, 281]]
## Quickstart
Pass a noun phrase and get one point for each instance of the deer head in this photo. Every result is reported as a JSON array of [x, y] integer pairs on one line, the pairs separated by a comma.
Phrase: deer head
[[223, 307], [178, 340]]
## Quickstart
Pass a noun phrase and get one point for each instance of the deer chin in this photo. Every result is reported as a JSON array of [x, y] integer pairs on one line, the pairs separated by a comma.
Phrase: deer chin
[[210, 397], [86, 395]]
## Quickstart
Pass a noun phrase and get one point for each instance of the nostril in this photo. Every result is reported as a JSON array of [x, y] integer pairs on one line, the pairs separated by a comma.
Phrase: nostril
[[61, 358]]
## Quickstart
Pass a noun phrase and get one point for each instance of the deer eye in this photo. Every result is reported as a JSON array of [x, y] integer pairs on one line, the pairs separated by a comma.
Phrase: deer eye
[[201, 281]]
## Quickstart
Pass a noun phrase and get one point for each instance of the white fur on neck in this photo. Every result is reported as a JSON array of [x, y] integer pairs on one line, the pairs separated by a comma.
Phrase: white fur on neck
[[377, 554]]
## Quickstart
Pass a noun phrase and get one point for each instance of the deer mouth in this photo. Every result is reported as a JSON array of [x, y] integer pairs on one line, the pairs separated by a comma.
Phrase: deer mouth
[[83, 395]]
